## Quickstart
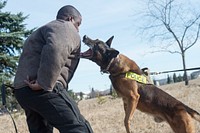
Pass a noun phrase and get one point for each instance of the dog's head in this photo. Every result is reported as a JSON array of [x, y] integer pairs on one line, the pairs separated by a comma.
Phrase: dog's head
[[99, 52]]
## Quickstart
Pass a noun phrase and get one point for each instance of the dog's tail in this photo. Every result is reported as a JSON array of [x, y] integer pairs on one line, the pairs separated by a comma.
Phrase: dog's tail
[[193, 113]]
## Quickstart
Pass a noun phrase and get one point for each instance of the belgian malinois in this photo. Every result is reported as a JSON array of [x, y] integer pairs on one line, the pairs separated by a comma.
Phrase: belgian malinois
[[138, 94]]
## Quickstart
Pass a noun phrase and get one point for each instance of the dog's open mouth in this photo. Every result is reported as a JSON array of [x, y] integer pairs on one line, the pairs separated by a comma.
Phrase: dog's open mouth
[[87, 54]]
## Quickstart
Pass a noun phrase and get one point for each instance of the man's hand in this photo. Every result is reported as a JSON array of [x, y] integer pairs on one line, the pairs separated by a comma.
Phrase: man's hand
[[33, 84]]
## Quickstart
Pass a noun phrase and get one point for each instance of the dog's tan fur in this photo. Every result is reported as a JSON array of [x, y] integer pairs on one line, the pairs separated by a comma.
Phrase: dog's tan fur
[[179, 119], [145, 97]]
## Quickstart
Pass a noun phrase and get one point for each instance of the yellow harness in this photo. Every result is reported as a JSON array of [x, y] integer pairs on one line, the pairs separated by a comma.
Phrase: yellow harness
[[136, 77]]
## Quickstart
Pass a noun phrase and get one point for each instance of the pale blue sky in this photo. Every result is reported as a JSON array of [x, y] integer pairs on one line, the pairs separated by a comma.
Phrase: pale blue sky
[[102, 19]]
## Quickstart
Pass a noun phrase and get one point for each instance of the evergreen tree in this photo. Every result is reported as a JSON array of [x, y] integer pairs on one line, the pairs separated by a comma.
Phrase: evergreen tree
[[72, 94], [192, 76], [12, 35], [169, 80], [92, 94], [174, 77], [81, 95], [180, 78]]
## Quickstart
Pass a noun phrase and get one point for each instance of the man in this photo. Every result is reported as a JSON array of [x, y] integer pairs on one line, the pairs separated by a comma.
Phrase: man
[[46, 66]]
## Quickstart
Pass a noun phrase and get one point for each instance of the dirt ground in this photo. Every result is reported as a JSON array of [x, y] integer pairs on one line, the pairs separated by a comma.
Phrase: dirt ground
[[106, 114]]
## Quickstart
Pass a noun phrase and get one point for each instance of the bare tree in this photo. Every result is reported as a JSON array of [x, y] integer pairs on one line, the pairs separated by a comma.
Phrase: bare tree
[[176, 27]]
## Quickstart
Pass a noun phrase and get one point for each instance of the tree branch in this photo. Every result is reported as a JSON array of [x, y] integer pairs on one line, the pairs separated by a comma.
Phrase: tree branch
[[186, 29], [195, 40]]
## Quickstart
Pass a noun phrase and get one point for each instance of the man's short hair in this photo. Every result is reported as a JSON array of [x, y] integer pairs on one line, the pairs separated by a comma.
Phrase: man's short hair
[[67, 11]]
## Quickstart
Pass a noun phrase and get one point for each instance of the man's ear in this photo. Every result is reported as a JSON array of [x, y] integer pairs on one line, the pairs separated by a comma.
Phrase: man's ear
[[109, 41]]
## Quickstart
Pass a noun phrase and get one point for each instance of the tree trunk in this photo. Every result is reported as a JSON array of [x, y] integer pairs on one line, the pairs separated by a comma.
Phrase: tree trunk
[[185, 77]]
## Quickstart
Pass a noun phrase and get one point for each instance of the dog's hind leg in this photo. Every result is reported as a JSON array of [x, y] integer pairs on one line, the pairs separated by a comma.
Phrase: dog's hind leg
[[182, 123], [131, 105]]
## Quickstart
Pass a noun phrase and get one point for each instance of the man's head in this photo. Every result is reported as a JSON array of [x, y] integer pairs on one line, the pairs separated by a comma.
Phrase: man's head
[[70, 13]]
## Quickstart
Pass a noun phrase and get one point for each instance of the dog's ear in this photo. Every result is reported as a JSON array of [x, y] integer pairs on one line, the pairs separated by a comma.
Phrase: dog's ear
[[112, 53], [109, 41]]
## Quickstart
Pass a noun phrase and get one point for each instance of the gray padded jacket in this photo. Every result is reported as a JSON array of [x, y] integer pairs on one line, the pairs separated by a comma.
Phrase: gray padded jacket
[[49, 55]]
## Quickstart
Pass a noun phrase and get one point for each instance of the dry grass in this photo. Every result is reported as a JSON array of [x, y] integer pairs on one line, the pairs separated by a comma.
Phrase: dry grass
[[107, 116]]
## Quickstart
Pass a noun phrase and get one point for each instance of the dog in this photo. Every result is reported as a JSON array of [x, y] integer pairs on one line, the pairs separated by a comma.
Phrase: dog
[[137, 93]]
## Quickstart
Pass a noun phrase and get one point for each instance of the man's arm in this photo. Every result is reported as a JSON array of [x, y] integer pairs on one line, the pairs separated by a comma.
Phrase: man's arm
[[53, 56]]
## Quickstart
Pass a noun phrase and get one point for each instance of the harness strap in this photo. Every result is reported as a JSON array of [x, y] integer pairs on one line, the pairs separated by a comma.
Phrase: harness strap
[[133, 76], [136, 77]]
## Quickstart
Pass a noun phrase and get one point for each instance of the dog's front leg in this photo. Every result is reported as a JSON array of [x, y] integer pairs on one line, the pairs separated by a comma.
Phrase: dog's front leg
[[131, 105]]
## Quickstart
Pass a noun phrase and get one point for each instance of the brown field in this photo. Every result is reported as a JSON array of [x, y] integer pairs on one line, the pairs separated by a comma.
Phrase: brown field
[[106, 114]]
